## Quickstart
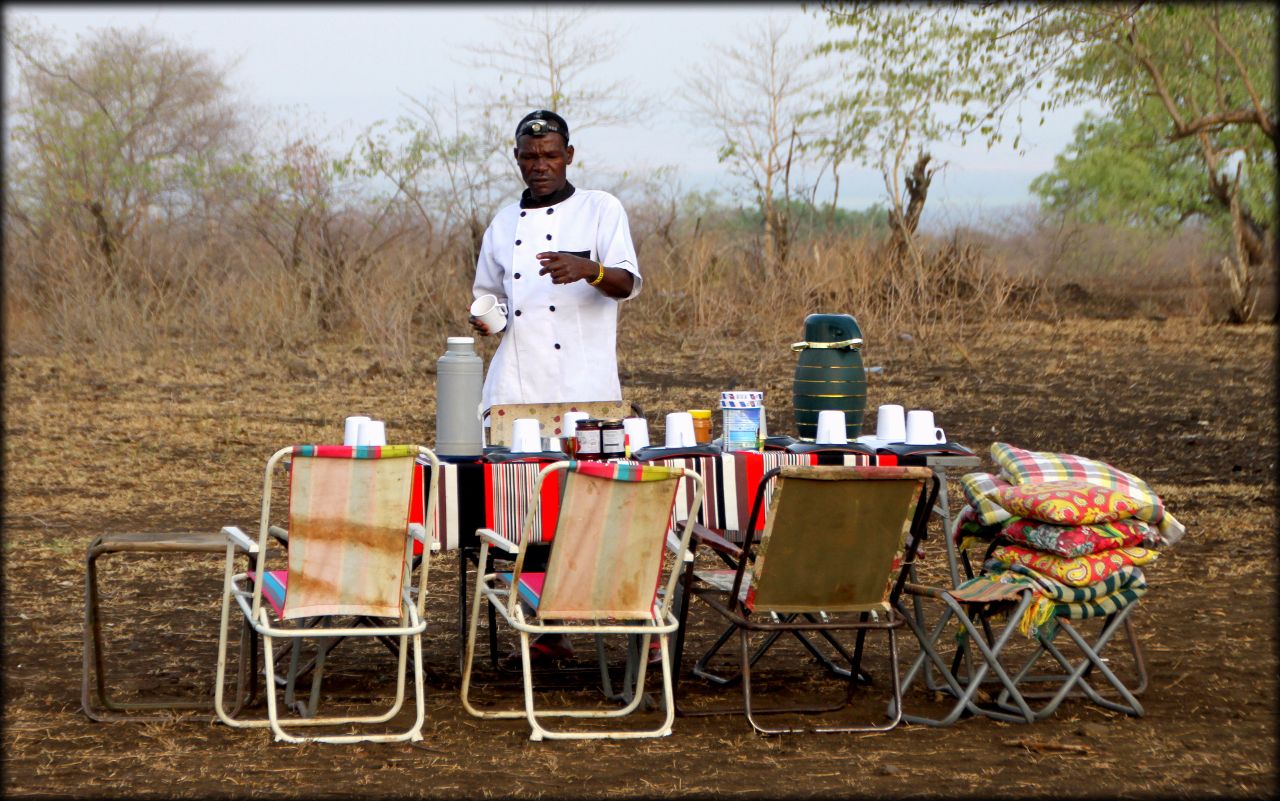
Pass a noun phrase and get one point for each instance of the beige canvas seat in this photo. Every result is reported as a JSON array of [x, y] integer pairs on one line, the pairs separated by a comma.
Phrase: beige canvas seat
[[350, 556], [603, 576], [832, 557]]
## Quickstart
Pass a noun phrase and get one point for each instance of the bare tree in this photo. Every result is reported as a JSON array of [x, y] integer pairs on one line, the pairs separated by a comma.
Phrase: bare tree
[[754, 96], [545, 60]]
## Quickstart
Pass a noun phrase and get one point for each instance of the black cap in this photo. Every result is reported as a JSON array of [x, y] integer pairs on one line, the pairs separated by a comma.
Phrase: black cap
[[541, 123]]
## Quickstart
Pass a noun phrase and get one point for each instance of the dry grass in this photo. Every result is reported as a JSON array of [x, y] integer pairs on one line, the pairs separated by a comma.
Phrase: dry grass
[[176, 440]]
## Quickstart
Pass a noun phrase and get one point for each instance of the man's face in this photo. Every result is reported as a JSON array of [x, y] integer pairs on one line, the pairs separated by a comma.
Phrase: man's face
[[542, 161]]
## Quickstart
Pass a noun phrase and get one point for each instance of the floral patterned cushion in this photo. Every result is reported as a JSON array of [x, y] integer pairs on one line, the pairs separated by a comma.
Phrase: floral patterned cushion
[[1079, 571], [1021, 466], [1080, 540], [1068, 503]]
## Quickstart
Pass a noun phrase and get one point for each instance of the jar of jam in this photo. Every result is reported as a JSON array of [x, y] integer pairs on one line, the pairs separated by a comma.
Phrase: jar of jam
[[613, 439], [701, 425], [588, 439]]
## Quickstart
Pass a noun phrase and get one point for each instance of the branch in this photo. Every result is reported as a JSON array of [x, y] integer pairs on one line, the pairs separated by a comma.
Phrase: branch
[[1213, 122], [1264, 120]]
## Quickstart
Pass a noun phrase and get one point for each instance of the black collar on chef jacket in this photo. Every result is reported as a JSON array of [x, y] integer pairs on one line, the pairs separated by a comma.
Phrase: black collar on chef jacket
[[528, 201]]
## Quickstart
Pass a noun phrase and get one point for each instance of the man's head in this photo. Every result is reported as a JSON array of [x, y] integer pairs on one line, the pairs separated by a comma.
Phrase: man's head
[[543, 152]]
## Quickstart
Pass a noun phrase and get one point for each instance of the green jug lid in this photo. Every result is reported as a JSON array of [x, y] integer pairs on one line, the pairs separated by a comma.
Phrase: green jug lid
[[831, 328]]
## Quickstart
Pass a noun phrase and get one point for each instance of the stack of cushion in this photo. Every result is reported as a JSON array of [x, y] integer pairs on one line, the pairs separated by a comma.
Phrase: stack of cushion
[[1075, 530]]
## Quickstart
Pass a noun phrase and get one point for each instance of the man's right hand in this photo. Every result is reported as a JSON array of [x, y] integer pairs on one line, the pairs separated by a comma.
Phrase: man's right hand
[[481, 328]]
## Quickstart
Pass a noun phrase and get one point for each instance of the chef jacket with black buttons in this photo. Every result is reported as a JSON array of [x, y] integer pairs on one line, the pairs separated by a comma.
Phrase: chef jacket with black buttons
[[559, 343]]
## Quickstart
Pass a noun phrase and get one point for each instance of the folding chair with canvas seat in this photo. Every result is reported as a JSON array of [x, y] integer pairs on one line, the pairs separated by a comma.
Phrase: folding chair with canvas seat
[[825, 562], [979, 604], [604, 576], [350, 554], [497, 426]]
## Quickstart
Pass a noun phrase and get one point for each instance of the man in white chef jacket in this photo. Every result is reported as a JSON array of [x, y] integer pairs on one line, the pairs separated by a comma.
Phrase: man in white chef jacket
[[561, 260]]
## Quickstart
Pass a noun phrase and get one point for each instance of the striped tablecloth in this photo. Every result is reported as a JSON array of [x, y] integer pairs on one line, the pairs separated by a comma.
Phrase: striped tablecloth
[[496, 496]]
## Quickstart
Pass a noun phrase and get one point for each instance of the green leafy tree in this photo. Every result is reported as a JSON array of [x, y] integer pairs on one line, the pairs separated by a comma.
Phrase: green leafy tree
[[1197, 78], [123, 128], [1122, 171], [914, 75]]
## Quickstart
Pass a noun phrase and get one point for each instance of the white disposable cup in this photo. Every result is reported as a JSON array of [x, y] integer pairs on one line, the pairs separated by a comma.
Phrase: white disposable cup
[[551, 444], [679, 430], [371, 432], [569, 423], [831, 429], [489, 311], [921, 430], [890, 423], [351, 429], [637, 431], [526, 435]]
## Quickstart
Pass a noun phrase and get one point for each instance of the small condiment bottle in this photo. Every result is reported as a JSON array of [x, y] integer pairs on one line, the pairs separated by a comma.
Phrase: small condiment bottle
[[701, 425], [612, 439], [588, 439]]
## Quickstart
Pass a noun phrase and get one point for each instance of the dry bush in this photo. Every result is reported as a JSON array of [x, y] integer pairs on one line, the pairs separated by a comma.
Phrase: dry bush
[[188, 287], [718, 281], [1117, 269]]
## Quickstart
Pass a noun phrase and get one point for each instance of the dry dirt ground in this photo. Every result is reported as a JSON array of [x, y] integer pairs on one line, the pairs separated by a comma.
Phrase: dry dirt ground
[[172, 443]]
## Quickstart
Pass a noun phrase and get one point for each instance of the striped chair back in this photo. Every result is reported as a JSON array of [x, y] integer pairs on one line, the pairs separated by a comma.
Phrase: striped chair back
[[832, 536], [348, 524], [606, 558]]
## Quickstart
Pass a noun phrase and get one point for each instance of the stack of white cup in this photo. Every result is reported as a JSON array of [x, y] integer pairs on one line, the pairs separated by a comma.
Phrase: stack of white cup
[[361, 430]]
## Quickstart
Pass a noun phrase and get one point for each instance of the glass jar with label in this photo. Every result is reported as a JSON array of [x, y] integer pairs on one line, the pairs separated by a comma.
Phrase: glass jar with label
[[588, 439], [612, 439]]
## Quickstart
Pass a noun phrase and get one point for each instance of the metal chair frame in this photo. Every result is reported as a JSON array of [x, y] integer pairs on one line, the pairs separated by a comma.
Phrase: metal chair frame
[[745, 622]]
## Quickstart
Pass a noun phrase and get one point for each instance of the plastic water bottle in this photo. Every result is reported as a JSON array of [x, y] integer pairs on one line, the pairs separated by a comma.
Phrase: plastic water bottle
[[459, 381]]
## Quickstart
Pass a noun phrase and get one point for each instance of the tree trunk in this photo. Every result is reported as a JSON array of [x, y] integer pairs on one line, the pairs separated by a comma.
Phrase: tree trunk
[[903, 224]]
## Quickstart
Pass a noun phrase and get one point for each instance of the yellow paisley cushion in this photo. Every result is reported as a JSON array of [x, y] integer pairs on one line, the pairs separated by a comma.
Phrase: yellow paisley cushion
[[1078, 571], [1067, 503]]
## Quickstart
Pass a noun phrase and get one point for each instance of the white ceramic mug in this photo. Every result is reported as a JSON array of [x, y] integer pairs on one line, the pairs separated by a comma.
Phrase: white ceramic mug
[[890, 425], [351, 429], [371, 432], [526, 435], [921, 430], [489, 311], [831, 429], [680, 430], [637, 430]]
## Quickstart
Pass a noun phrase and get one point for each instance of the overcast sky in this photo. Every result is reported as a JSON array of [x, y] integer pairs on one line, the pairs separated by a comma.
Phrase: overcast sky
[[350, 66]]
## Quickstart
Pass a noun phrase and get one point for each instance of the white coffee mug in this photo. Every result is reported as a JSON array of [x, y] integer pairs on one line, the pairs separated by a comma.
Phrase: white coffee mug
[[921, 430], [489, 311], [351, 429], [890, 425], [637, 431], [680, 430], [526, 435], [371, 432], [831, 430]]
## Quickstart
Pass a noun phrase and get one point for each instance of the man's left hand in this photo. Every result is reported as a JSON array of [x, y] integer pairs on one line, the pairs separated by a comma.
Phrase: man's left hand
[[565, 268]]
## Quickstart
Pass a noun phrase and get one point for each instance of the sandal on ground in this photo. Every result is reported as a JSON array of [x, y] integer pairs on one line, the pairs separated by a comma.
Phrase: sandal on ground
[[655, 653], [541, 654]]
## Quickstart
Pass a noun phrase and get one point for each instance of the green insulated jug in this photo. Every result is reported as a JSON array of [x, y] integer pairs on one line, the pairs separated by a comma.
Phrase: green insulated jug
[[829, 374]]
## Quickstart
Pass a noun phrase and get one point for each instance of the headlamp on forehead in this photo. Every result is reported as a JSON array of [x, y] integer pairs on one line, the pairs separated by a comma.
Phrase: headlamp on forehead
[[542, 125]]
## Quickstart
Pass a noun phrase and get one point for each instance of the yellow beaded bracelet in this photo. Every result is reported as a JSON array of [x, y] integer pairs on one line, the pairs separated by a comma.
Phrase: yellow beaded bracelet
[[599, 277]]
